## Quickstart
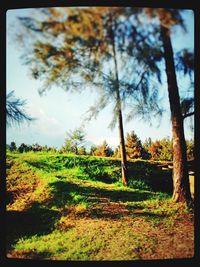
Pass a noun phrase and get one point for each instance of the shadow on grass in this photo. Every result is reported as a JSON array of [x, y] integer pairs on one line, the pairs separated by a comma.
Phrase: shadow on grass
[[117, 214], [35, 221], [45, 166], [63, 191], [106, 203], [141, 174]]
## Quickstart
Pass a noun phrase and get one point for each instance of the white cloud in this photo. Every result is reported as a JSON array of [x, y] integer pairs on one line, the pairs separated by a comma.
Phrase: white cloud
[[112, 141], [45, 124]]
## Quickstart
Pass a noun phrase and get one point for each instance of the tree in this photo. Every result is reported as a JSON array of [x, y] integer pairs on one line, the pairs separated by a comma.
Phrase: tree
[[146, 145], [15, 110], [102, 50], [92, 150], [36, 147], [91, 44], [82, 151], [190, 149], [45, 148], [74, 140], [117, 152], [13, 146], [161, 149], [103, 150], [155, 150], [168, 18], [23, 148], [134, 147], [167, 149]]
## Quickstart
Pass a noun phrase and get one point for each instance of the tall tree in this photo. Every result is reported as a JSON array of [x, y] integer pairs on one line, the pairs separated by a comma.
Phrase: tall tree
[[84, 49], [168, 18], [72, 46]]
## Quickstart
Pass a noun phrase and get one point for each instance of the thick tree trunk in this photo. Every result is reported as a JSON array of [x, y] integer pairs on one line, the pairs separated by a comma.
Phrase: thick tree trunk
[[181, 190]]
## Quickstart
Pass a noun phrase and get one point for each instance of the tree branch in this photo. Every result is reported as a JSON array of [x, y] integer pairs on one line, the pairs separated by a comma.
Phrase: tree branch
[[188, 115]]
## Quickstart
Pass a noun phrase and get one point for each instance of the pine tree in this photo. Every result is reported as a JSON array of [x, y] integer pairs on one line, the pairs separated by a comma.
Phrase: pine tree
[[82, 151], [167, 149], [117, 153], [155, 150], [167, 19], [134, 147], [103, 150], [74, 140], [13, 146]]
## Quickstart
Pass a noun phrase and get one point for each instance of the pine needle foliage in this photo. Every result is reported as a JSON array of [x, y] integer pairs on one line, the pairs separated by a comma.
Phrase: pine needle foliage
[[15, 113]]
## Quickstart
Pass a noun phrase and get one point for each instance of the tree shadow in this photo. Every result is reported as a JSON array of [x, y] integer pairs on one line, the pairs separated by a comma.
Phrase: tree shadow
[[146, 172], [62, 192], [99, 169], [98, 213], [105, 203], [35, 221], [161, 181], [45, 166]]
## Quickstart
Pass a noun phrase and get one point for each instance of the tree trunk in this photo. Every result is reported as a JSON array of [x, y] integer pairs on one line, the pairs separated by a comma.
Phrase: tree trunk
[[119, 114], [122, 143], [181, 190]]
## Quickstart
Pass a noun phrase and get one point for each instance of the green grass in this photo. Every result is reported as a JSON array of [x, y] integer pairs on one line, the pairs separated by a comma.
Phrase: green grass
[[61, 210]]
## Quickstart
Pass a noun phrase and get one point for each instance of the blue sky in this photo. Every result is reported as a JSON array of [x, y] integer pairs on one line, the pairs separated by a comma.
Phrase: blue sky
[[58, 111]]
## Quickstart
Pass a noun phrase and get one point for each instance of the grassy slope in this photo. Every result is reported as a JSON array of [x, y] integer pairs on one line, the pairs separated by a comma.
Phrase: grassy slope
[[58, 208]]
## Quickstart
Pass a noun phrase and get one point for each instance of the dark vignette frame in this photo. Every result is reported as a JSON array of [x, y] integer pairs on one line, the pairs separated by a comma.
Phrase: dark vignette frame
[[13, 4]]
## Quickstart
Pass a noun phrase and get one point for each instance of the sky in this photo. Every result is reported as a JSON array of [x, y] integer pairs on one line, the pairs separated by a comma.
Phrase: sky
[[58, 111]]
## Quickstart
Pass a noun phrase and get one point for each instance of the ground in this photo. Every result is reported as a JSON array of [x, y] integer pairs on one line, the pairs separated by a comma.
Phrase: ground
[[61, 214]]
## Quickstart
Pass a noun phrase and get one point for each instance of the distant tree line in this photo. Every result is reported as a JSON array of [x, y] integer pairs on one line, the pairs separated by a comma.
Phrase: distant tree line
[[158, 150], [152, 150], [26, 148]]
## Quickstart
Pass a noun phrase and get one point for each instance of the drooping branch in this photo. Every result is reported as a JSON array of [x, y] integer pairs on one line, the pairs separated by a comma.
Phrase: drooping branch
[[188, 115], [14, 110]]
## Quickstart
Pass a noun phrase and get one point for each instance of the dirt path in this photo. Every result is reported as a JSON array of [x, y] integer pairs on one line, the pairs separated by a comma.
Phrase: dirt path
[[156, 240]]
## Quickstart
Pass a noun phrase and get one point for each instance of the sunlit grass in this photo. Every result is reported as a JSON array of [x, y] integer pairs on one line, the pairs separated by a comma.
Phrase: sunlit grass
[[58, 210]]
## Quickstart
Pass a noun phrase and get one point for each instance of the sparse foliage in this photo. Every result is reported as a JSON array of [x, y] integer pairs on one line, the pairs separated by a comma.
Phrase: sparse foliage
[[95, 46], [74, 140], [165, 20], [15, 112]]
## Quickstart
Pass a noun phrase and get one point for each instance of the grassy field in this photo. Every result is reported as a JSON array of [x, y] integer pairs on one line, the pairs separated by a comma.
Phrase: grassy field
[[65, 208]]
